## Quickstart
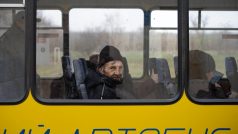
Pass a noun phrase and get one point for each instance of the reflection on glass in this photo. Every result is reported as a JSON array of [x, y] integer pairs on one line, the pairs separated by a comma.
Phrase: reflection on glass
[[2, 32], [49, 18], [12, 57], [5, 18], [49, 50]]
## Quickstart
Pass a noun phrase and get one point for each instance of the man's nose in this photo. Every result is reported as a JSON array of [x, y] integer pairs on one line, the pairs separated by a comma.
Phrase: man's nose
[[118, 71]]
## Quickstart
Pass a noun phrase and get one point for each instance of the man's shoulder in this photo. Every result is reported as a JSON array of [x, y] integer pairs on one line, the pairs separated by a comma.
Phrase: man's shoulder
[[92, 78]]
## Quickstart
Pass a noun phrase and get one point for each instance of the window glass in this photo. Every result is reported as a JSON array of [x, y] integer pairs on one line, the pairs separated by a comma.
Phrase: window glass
[[159, 18], [219, 19], [213, 64], [2, 31], [163, 66], [49, 43], [6, 18], [169, 19], [49, 18], [193, 19], [49, 50], [12, 56], [92, 29], [164, 44]]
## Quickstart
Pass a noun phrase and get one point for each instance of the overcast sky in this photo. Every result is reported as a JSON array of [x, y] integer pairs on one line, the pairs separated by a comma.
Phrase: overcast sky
[[132, 19]]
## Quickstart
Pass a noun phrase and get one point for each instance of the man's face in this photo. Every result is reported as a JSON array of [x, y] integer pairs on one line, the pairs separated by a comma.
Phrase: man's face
[[112, 69]]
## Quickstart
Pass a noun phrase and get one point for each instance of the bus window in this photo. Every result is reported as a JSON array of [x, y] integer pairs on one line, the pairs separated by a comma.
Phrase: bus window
[[163, 48], [212, 57], [120, 29], [12, 55], [49, 50]]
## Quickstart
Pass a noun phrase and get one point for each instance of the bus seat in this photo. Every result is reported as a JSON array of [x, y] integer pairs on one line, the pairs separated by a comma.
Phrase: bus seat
[[69, 80], [231, 66], [80, 72], [163, 70], [161, 67], [165, 76], [66, 65], [231, 72]]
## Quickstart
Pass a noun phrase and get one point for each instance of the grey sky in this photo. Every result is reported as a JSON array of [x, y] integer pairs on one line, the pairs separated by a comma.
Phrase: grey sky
[[132, 19]]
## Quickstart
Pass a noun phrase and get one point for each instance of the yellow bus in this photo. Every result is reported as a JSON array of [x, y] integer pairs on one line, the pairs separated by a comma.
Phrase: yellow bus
[[179, 62]]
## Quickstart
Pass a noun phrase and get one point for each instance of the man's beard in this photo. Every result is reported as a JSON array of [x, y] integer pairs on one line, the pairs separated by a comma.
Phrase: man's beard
[[117, 78], [113, 80]]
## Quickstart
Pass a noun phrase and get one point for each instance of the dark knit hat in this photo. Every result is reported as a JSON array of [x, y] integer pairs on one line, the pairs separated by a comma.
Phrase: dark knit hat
[[200, 63], [109, 53]]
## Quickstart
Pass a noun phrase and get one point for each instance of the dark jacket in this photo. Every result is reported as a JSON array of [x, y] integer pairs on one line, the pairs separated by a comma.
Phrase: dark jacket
[[100, 86], [12, 64], [151, 90], [214, 92]]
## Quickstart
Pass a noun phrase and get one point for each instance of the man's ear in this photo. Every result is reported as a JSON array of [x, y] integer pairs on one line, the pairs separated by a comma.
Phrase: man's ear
[[100, 69]]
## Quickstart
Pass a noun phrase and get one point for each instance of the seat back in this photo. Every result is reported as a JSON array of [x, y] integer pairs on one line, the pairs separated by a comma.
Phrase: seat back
[[163, 70], [231, 72], [152, 65], [66, 65], [80, 72], [161, 67], [231, 66], [69, 81]]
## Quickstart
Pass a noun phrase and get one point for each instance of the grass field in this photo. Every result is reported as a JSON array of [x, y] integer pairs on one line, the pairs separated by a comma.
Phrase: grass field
[[135, 62]]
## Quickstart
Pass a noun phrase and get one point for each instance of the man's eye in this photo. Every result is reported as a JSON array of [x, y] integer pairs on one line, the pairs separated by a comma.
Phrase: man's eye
[[112, 68]]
